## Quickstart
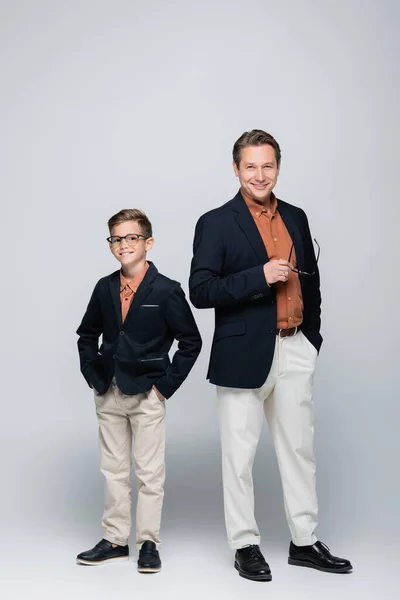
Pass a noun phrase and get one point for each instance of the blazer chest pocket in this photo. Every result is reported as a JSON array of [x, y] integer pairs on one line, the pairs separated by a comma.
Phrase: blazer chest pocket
[[229, 330]]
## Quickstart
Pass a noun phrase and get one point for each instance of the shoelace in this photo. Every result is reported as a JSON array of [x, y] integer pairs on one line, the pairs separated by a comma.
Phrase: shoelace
[[147, 551], [103, 544], [254, 552]]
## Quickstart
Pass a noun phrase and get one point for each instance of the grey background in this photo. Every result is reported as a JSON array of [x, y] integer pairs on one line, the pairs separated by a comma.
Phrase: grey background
[[106, 105]]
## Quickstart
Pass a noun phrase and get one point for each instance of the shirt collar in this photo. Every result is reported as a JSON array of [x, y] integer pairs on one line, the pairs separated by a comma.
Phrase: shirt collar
[[133, 283], [257, 209]]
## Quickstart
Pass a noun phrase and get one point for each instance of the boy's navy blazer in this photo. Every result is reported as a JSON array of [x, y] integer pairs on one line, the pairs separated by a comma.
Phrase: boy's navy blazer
[[136, 350], [227, 274]]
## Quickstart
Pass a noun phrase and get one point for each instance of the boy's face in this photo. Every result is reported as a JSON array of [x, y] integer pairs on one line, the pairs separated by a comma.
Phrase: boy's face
[[129, 252]]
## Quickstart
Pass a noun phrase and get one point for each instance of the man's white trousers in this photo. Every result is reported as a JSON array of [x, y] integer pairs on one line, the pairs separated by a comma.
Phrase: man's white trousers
[[286, 401]]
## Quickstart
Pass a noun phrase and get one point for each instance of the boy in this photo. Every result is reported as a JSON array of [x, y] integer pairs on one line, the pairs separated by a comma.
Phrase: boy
[[139, 313]]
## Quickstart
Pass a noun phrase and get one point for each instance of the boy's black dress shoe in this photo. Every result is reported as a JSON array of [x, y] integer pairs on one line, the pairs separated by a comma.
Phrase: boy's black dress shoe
[[317, 556], [102, 553], [149, 560], [251, 564]]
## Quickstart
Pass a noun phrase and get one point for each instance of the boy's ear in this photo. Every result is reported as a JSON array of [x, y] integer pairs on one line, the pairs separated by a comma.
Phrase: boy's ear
[[149, 243]]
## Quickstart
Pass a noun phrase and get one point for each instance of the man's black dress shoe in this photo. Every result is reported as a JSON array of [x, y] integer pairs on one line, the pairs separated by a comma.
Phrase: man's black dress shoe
[[102, 553], [251, 564], [149, 560], [317, 556]]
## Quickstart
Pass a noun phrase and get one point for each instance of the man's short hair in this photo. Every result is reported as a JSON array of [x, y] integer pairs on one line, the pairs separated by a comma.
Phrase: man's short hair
[[132, 214], [255, 137]]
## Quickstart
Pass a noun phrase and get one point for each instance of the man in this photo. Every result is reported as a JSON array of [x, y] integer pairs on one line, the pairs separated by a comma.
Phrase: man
[[255, 264], [139, 313]]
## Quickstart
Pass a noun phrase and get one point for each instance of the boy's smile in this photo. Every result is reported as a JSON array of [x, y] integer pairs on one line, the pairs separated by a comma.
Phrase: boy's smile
[[130, 250]]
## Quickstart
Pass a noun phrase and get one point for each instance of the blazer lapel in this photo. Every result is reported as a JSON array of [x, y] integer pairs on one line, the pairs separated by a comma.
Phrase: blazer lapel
[[294, 232], [115, 285], [142, 292], [246, 223]]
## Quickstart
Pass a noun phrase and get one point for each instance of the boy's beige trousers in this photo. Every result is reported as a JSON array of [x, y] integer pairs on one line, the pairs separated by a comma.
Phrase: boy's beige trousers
[[124, 420]]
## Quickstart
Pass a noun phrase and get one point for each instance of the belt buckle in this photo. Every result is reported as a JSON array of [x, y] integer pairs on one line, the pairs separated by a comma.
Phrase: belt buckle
[[291, 335]]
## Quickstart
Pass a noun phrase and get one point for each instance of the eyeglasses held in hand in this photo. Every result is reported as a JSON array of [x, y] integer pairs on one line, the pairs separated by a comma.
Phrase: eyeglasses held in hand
[[316, 261], [131, 239]]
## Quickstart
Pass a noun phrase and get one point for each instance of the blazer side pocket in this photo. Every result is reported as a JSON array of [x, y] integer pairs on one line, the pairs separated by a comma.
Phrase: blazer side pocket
[[229, 330], [158, 364]]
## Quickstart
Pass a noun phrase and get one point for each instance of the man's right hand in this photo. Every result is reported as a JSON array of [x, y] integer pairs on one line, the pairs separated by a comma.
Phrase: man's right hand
[[277, 270]]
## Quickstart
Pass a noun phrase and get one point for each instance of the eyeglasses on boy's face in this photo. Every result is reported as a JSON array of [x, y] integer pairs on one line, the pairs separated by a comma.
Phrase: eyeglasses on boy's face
[[316, 261], [131, 239]]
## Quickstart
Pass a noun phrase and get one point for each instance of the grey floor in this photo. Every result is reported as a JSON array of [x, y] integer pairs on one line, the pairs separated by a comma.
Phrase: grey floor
[[51, 510], [202, 568]]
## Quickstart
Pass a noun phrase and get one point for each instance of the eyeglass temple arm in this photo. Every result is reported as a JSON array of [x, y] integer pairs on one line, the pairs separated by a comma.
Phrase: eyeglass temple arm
[[319, 249], [292, 246]]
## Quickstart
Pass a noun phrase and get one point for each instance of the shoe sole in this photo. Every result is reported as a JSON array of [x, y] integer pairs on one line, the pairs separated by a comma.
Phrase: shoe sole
[[310, 565], [252, 577], [149, 570], [96, 563]]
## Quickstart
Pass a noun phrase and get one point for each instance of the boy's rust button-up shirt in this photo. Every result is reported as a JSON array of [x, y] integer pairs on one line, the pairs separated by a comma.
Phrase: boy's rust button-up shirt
[[128, 290]]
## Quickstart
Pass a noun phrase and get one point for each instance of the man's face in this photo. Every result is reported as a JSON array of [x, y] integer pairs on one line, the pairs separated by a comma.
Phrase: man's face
[[133, 252], [258, 172]]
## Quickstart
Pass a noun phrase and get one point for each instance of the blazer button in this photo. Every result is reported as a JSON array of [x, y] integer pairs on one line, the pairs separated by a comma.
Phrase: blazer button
[[122, 333], [114, 356]]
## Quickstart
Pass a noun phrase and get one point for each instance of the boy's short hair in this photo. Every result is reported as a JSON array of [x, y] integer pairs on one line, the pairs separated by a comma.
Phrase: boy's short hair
[[132, 214]]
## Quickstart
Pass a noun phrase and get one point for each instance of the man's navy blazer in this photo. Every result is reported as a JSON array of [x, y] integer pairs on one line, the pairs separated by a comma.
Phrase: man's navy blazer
[[136, 350], [227, 275]]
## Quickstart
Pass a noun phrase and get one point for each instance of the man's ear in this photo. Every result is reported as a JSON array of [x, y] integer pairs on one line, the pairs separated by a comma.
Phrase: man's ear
[[235, 169]]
